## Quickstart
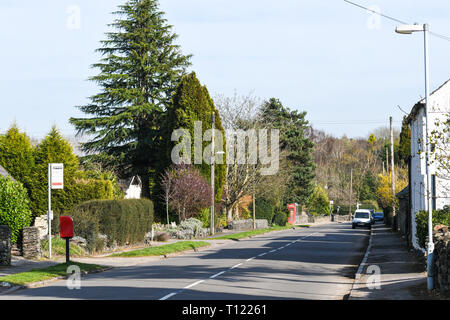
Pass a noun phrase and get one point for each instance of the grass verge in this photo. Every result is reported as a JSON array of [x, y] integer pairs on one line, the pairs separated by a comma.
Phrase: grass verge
[[246, 234], [162, 250], [56, 271], [59, 248]]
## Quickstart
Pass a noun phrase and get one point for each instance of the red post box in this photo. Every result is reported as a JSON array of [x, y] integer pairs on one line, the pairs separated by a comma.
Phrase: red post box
[[66, 227], [292, 213], [66, 232]]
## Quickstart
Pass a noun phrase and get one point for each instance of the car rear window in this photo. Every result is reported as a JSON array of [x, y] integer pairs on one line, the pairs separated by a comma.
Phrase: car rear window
[[362, 215]]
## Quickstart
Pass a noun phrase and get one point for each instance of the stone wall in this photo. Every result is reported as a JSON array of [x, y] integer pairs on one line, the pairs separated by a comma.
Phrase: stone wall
[[42, 224], [239, 225], [5, 246], [31, 243], [441, 237]]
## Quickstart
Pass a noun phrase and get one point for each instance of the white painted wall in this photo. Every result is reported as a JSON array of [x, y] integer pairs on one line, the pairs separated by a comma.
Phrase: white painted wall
[[439, 109]]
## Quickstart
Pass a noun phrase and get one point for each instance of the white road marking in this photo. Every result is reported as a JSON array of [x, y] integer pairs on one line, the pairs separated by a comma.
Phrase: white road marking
[[250, 259], [272, 251], [262, 254], [217, 274], [168, 296], [193, 284], [239, 264]]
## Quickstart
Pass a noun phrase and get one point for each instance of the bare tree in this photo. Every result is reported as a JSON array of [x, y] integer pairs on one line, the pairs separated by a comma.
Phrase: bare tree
[[167, 186], [191, 192]]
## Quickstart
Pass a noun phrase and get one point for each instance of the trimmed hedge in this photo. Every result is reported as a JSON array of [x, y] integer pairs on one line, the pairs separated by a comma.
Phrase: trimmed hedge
[[14, 207], [264, 209], [122, 221]]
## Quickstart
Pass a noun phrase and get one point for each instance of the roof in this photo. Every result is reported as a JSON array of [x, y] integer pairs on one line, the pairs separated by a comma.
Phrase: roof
[[404, 193], [5, 174], [421, 104]]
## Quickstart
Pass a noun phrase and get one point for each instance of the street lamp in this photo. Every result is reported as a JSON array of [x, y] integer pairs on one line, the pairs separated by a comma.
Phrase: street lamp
[[213, 160], [409, 29]]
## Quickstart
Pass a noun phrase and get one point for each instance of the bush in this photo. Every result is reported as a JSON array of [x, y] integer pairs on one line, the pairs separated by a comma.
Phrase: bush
[[281, 218], [122, 221], [264, 209], [14, 207], [369, 204], [439, 217], [205, 217]]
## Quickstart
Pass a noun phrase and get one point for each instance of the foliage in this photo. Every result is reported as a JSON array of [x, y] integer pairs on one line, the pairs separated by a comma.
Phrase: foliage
[[280, 218], [59, 248], [192, 224], [191, 103], [191, 192], [293, 139], [384, 191], [17, 156], [369, 204], [139, 70], [404, 148], [122, 221], [205, 217], [264, 209], [439, 217], [14, 207], [319, 202]]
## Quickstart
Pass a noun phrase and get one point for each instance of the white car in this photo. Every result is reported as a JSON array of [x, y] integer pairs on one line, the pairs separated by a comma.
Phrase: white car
[[362, 218]]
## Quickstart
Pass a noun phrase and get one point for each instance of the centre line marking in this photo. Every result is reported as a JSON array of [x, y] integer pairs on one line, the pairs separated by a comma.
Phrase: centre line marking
[[168, 296], [217, 274], [193, 284], [262, 254], [251, 259], [240, 264]]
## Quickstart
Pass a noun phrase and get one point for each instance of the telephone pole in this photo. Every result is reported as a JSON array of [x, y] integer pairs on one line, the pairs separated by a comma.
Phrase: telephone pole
[[394, 216], [351, 190]]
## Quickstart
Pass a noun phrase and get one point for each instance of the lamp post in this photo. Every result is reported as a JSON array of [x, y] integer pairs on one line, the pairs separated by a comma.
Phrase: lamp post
[[213, 160], [409, 29]]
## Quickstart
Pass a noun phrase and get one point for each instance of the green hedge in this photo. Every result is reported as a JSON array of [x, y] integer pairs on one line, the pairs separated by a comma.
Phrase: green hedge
[[280, 218], [122, 221], [264, 209], [439, 217], [14, 207]]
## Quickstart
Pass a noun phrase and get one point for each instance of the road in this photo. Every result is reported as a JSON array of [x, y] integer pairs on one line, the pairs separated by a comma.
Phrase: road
[[306, 263]]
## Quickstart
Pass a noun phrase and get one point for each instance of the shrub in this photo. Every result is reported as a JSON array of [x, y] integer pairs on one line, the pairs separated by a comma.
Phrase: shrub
[[122, 221], [264, 209], [280, 218], [205, 217], [439, 217], [14, 207]]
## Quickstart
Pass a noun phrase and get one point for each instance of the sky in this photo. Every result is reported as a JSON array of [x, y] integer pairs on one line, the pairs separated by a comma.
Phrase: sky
[[345, 67]]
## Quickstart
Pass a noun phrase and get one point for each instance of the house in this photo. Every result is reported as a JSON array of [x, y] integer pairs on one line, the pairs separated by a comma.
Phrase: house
[[439, 109], [5, 174], [132, 187]]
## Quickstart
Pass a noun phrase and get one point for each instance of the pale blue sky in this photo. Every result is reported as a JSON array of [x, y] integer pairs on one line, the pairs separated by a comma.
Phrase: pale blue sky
[[314, 55]]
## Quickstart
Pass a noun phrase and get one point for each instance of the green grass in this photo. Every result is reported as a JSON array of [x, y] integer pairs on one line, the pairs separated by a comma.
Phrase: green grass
[[246, 234], [162, 250], [37, 275], [59, 248]]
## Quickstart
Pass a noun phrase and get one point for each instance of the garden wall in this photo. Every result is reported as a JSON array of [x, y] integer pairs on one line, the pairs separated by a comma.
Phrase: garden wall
[[441, 237], [5, 246]]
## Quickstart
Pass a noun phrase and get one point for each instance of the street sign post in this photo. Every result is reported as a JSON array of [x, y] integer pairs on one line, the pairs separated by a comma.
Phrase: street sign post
[[56, 182]]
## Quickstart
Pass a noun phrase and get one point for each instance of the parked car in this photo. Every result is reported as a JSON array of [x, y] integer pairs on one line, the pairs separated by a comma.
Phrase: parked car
[[379, 216], [362, 218]]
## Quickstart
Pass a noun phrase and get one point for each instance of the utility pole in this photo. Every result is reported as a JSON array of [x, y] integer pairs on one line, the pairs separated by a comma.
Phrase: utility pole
[[351, 190], [254, 208], [213, 120], [394, 216]]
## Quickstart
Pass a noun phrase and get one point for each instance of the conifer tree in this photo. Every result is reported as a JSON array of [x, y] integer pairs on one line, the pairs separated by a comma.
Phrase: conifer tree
[[191, 103], [139, 71]]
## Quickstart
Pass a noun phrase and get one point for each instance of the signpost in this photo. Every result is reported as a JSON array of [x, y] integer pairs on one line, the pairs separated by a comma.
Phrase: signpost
[[331, 212], [56, 182]]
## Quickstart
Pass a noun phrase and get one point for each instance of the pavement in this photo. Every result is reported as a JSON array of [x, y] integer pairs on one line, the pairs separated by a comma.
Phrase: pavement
[[390, 271], [306, 263]]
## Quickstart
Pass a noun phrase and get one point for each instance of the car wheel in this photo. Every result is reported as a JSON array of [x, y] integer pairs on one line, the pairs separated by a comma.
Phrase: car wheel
[[353, 226]]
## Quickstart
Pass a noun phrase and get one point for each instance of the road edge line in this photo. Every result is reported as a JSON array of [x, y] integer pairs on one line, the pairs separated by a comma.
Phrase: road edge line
[[361, 266]]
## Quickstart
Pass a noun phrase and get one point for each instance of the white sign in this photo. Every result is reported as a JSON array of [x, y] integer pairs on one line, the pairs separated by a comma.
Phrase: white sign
[[331, 202], [57, 175]]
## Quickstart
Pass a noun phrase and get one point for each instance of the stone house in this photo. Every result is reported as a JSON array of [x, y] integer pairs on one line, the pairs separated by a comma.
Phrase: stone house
[[439, 109]]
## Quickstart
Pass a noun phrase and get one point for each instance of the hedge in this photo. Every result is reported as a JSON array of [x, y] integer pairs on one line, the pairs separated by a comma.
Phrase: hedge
[[122, 221], [439, 217], [264, 209], [14, 207]]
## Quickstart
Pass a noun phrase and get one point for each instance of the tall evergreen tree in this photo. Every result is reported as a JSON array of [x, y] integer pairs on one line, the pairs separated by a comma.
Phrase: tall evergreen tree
[[139, 71], [293, 139], [16, 155], [404, 149], [192, 102]]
